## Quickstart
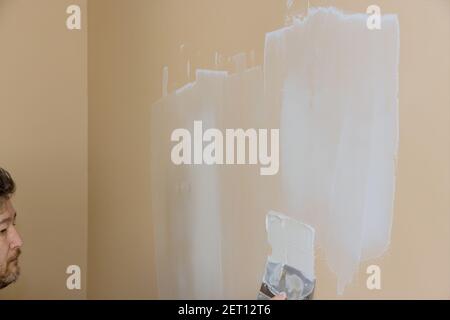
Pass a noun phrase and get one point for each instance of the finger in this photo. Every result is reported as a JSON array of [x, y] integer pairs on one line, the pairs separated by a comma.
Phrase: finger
[[281, 296]]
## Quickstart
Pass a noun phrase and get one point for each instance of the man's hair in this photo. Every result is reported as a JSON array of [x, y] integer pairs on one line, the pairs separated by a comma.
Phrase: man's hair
[[7, 185]]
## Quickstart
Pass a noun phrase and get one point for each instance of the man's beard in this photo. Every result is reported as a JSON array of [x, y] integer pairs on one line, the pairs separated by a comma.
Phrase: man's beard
[[10, 276]]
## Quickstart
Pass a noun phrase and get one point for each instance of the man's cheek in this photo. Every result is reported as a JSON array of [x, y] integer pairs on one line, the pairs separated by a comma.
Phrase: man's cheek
[[3, 268], [3, 257]]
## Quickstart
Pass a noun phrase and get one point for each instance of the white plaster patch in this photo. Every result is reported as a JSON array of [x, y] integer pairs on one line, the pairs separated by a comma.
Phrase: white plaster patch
[[336, 83], [330, 85]]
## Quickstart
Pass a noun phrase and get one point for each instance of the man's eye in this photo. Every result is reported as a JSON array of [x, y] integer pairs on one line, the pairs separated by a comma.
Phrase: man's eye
[[3, 231]]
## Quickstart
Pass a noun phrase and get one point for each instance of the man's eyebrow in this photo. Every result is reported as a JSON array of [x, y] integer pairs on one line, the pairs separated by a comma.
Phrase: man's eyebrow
[[5, 220], [9, 219]]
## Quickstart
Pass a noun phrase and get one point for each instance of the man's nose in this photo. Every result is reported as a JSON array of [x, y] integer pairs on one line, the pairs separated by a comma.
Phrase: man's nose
[[16, 240]]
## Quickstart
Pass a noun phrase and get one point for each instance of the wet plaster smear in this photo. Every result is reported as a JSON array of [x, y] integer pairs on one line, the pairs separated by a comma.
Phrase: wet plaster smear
[[330, 85]]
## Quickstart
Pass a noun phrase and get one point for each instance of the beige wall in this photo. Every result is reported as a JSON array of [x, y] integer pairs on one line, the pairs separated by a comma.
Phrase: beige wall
[[43, 110], [43, 103], [120, 230], [131, 41]]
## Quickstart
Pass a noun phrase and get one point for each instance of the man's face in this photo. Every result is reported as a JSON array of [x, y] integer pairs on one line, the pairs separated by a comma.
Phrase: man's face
[[10, 243]]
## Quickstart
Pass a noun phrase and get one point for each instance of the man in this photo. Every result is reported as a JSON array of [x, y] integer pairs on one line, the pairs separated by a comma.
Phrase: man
[[10, 241]]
